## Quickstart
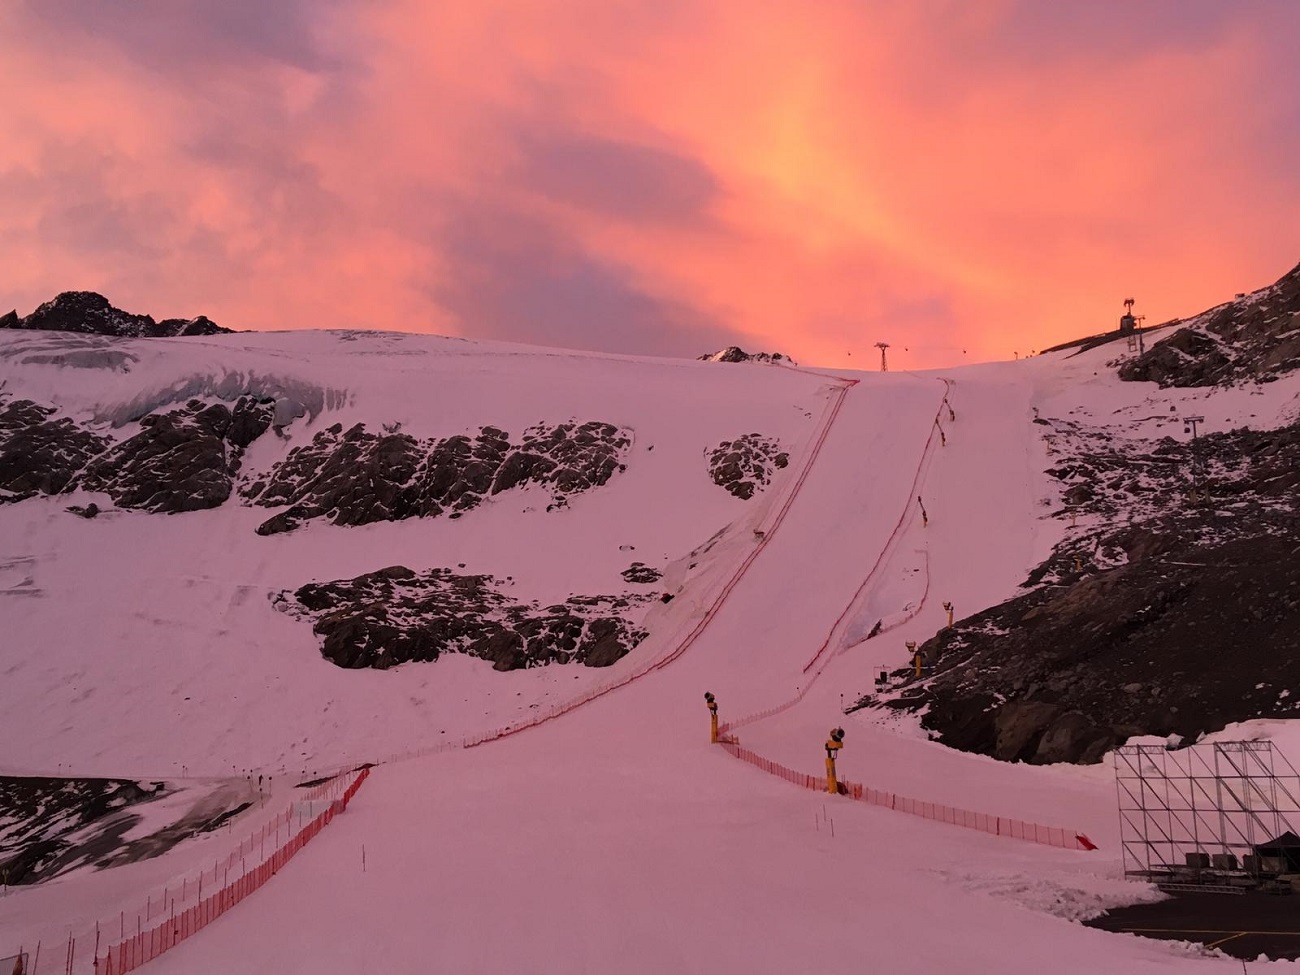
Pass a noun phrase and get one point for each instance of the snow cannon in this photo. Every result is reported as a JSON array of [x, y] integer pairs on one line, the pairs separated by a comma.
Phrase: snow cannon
[[918, 658], [833, 744], [713, 717]]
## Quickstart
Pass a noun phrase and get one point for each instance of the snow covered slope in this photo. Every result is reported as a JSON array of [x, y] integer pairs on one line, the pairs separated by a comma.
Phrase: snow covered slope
[[614, 838], [133, 635]]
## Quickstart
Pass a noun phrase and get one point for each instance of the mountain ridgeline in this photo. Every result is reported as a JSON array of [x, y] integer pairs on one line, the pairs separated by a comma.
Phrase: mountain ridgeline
[[88, 313]]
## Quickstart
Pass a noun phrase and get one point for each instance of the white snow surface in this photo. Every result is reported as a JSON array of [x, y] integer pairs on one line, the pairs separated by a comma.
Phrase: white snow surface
[[613, 838]]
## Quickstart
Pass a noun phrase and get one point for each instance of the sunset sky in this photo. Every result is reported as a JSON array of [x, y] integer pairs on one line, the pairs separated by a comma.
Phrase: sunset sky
[[965, 179]]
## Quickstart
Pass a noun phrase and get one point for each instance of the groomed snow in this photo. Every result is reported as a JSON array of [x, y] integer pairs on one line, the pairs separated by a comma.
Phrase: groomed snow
[[614, 838]]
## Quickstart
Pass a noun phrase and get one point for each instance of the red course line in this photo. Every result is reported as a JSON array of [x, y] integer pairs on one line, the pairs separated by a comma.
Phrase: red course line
[[841, 393]]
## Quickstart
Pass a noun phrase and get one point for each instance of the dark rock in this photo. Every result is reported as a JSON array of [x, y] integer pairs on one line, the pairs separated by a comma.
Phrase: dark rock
[[1255, 337], [249, 420], [1173, 615], [641, 574], [89, 313], [358, 477], [202, 325], [286, 521], [179, 461], [1073, 737], [396, 615], [744, 465], [39, 455], [1019, 726], [733, 353], [55, 825]]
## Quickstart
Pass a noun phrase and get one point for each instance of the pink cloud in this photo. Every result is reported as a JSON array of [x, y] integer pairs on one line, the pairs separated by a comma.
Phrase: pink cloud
[[653, 177]]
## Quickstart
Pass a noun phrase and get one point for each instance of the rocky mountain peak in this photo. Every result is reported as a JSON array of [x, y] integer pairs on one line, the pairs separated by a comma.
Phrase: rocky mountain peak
[[734, 353], [88, 312]]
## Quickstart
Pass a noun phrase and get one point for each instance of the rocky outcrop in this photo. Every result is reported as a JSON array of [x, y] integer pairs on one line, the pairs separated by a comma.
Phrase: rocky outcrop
[[1178, 621], [357, 477], [48, 826], [640, 574], [51, 826], [183, 460], [39, 455], [1255, 337], [91, 313], [734, 353], [745, 465], [396, 615]]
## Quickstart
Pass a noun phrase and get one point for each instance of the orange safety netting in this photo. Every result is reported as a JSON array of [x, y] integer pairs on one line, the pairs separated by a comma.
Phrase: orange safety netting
[[1015, 829], [147, 944]]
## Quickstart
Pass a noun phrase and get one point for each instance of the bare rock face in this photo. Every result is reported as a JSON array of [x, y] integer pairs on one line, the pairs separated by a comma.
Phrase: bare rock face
[[184, 460], [39, 455], [745, 465], [640, 574], [91, 313], [1255, 337], [1178, 621], [359, 477], [396, 615], [49, 826]]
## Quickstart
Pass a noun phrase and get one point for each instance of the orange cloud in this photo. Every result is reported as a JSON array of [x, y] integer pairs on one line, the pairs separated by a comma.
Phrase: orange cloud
[[964, 181]]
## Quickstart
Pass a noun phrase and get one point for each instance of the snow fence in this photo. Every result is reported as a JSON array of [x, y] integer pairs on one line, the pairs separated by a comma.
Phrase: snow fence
[[1016, 829], [148, 943]]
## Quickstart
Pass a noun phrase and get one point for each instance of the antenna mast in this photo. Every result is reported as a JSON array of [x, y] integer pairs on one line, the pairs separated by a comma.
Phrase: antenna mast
[[882, 346]]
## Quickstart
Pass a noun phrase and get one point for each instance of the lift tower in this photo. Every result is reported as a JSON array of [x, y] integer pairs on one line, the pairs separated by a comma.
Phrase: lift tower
[[882, 346]]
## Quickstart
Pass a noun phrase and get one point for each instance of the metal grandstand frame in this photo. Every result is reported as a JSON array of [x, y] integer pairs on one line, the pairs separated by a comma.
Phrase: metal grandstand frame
[[1198, 816]]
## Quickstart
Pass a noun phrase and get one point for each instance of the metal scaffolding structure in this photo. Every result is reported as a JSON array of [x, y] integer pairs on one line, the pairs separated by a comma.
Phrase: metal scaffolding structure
[[1208, 816]]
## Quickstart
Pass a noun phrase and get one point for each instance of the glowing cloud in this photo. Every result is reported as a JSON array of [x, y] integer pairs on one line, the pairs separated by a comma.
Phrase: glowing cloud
[[965, 181]]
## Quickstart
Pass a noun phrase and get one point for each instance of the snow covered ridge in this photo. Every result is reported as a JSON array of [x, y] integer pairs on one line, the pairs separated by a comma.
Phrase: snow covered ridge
[[438, 455], [1255, 337], [91, 313]]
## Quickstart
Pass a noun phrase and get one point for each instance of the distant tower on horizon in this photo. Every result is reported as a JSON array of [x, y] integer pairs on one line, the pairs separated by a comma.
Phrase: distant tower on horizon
[[1127, 322], [882, 346], [1128, 325]]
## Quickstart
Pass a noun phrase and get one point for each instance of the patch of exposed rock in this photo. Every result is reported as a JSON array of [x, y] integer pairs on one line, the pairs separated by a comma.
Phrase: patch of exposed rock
[[357, 477], [40, 455], [44, 822], [1178, 621], [183, 460], [640, 574], [91, 313], [50, 826], [396, 615], [745, 465], [1255, 337], [734, 353]]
